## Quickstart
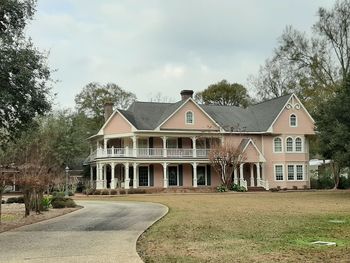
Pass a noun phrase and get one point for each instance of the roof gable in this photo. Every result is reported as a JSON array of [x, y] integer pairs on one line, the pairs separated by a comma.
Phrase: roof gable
[[305, 123], [116, 123], [252, 152], [176, 120]]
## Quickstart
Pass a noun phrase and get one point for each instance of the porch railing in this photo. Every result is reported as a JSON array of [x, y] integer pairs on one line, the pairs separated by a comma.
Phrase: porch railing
[[262, 183], [150, 153]]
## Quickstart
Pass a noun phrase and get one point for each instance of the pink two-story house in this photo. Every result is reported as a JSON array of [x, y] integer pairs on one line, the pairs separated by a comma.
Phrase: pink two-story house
[[166, 145]]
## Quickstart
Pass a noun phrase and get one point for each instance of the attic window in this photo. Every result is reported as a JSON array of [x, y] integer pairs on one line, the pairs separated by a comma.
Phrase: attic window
[[189, 117], [293, 120]]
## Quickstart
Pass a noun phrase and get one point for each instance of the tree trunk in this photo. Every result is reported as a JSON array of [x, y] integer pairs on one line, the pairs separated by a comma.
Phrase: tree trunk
[[27, 202], [336, 172], [0, 205]]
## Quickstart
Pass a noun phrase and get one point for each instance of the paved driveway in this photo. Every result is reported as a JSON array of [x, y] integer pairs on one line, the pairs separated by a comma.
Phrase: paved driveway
[[100, 232]]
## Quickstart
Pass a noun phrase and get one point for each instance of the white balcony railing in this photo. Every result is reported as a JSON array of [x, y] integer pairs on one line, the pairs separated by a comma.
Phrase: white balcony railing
[[151, 153]]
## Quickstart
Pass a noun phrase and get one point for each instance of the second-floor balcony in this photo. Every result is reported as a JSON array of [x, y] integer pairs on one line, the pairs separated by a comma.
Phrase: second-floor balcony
[[152, 152]]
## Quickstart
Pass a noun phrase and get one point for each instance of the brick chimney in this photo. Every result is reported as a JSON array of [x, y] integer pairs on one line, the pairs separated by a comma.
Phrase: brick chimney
[[186, 93], [108, 110]]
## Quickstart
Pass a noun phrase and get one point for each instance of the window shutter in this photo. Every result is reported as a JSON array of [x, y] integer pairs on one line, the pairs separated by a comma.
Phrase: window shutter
[[207, 143], [208, 174], [179, 142], [151, 175], [131, 176], [180, 175], [192, 174]]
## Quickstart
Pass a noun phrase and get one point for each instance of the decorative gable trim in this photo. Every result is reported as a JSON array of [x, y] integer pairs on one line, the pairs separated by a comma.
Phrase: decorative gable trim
[[261, 156], [182, 105], [288, 105], [100, 132]]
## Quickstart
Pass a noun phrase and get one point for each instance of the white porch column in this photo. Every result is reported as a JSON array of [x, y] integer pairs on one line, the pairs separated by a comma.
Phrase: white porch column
[[194, 143], [235, 178], [105, 144], [98, 176], [252, 174], [258, 175], [91, 175], [222, 139], [127, 178], [136, 176], [134, 142], [164, 146], [165, 175], [194, 174], [105, 176], [241, 171], [112, 176]]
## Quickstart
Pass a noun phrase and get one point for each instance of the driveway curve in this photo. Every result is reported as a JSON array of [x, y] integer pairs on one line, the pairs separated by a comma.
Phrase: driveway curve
[[103, 231]]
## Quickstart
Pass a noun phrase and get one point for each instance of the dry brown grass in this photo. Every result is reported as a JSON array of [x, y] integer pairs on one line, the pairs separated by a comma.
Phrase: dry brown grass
[[248, 227]]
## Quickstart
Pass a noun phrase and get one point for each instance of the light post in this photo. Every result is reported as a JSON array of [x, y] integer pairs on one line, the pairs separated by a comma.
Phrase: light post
[[67, 171]]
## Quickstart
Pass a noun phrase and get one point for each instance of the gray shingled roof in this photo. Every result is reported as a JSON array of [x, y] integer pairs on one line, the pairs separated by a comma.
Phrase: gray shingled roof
[[255, 118]]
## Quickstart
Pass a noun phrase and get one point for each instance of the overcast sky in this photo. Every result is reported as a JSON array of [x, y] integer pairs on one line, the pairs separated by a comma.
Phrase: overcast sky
[[165, 46]]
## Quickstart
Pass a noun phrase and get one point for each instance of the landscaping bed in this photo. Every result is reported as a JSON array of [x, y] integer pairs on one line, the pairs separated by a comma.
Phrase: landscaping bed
[[13, 216]]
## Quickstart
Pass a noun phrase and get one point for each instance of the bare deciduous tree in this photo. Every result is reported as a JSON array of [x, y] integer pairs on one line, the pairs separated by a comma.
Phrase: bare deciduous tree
[[225, 158]]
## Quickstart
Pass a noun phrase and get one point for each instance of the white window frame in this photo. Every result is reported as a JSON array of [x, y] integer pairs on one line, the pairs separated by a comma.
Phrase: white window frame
[[290, 120], [293, 165], [303, 172], [295, 172], [186, 120], [274, 149], [148, 175], [295, 145], [274, 174], [292, 151]]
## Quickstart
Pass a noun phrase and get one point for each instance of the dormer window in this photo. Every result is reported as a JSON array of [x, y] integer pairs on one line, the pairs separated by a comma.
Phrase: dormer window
[[293, 120], [189, 117]]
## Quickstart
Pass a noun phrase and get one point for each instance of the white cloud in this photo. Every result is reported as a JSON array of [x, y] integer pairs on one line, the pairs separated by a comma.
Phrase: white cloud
[[155, 45]]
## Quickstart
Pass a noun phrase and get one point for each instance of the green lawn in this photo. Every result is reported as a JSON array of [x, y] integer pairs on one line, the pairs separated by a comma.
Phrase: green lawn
[[248, 227]]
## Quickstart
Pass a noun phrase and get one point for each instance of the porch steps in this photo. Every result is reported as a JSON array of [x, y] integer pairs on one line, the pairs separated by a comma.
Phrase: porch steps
[[255, 189]]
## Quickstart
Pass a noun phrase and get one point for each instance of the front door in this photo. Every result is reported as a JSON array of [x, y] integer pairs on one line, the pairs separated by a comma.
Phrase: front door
[[173, 175], [201, 178]]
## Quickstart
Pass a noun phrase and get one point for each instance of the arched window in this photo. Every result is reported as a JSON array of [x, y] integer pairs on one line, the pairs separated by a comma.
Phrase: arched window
[[293, 120], [298, 145], [189, 117], [289, 144], [277, 145]]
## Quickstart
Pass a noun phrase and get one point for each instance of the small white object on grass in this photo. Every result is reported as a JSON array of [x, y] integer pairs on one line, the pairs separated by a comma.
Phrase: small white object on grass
[[324, 243]]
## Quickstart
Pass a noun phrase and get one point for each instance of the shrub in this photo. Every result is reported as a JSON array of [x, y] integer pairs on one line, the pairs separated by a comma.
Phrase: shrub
[[344, 183], [18, 200], [237, 188], [3, 201], [70, 193], [62, 202], [137, 191], [88, 191], [46, 202], [113, 192], [221, 188], [275, 189], [105, 192], [97, 192], [295, 187], [58, 194]]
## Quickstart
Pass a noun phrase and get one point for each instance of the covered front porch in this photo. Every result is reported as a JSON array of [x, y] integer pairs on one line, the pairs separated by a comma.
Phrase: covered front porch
[[126, 175]]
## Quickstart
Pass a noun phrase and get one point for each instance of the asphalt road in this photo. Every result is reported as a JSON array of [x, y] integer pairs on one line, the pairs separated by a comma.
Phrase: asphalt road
[[100, 232]]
